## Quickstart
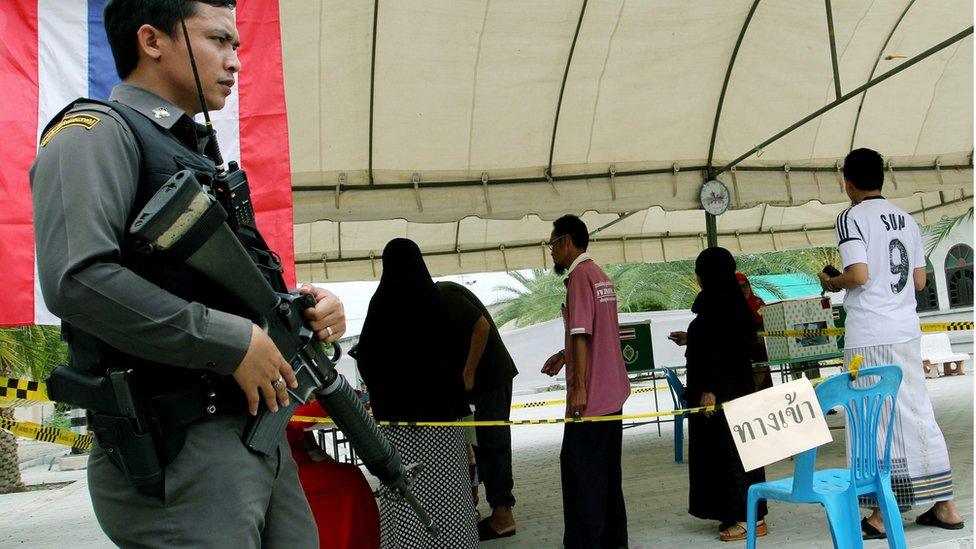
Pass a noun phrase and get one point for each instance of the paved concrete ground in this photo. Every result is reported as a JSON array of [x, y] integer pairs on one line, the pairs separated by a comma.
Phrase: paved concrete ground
[[655, 489]]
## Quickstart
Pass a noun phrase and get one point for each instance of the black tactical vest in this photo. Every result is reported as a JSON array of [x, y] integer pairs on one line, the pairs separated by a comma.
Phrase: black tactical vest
[[162, 155]]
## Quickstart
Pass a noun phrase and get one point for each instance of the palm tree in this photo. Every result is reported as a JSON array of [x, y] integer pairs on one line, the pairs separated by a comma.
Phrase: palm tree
[[653, 286], [535, 298], [29, 352], [941, 230]]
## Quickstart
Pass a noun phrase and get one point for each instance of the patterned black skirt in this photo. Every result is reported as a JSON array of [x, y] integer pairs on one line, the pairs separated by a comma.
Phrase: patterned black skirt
[[443, 488]]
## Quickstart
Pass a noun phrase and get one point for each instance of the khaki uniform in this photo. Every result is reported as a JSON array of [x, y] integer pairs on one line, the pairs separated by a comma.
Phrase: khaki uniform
[[215, 493]]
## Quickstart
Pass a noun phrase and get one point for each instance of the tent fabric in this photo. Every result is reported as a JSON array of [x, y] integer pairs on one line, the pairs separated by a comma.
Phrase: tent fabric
[[444, 131]]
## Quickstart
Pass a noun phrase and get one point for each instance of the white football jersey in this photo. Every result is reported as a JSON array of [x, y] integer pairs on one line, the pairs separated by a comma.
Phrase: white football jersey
[[886, 239]]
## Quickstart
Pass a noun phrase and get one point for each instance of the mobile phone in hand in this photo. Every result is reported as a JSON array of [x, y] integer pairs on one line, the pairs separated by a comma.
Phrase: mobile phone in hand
[[831, 271]]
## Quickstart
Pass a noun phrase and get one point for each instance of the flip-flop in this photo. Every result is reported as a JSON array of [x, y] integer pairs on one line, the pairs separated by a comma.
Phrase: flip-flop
[[870, 532], [487, 533], [928, 518]]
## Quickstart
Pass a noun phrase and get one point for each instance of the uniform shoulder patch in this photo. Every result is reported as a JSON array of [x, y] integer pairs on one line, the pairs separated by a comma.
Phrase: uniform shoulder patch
[[86, 121]]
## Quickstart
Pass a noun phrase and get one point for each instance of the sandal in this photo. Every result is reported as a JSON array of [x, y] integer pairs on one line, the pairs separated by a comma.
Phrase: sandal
[[726, 525], [487, 533], [928, 518], [870, 532], [740, 532]]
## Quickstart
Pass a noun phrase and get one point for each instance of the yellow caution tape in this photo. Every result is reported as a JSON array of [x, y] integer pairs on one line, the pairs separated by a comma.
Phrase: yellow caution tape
[[946, 326], [35, 431], [502, 423], [22, 392], [64, 437], [17, 402], [801, 333], [543, 403], [926, 327]]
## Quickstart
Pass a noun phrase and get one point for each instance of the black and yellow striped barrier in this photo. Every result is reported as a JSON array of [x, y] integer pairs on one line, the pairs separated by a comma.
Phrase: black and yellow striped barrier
[[926, 327], [21, 392], [35, 431]]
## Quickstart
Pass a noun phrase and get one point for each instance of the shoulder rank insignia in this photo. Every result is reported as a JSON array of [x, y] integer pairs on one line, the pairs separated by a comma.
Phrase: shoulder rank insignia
[[86, 121], [160, 112]]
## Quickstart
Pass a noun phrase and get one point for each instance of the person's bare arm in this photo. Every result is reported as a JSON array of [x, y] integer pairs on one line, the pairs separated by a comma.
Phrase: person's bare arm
[[920, 278], [854, 275], [479, 338], [554, 363], [578, 397]]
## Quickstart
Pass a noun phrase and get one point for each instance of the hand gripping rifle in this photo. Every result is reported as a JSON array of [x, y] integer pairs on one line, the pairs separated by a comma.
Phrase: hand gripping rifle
[[185, 223]]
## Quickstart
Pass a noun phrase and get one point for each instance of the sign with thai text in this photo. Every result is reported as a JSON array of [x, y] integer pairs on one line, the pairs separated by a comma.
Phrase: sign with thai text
[[776, 423]]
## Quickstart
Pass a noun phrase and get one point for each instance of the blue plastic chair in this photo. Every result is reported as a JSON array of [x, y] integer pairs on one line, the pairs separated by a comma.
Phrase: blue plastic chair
[[837, 490], [678, 397]]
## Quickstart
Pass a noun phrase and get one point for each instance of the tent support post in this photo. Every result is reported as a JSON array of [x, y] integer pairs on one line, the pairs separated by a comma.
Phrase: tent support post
[[711, 229]]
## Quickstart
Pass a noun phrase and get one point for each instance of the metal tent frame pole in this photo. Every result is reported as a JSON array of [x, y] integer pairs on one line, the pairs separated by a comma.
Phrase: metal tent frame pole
[[628, 238], [853, 93]]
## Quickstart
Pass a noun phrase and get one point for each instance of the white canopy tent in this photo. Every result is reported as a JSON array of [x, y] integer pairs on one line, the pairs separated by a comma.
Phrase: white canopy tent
[[468, 125]]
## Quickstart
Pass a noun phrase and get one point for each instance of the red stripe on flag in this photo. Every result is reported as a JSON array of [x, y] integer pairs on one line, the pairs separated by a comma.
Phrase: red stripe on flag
[[18, 118], [264, 126]]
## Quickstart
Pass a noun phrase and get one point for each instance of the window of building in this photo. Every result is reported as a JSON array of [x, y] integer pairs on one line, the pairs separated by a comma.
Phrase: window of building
[[928, 298], [959, 275]]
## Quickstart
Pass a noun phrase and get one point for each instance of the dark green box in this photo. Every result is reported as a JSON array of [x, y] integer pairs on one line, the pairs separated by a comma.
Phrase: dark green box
[[635, 344]]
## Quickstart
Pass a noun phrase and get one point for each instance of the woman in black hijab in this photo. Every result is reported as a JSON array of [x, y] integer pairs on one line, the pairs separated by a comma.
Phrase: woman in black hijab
[[719, 341], [409, 381]]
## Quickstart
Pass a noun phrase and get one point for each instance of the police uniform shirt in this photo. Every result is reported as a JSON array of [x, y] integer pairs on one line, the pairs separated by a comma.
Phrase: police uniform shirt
[[887, 239], [84, 182]]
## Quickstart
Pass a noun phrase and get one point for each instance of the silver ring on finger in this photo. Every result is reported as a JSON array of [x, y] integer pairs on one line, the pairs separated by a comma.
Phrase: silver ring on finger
[[278, 383], [329, 330]]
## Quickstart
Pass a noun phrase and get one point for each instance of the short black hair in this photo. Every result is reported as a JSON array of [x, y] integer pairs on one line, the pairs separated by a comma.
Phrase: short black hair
[[124, 17], [864, 168], [575, 228]]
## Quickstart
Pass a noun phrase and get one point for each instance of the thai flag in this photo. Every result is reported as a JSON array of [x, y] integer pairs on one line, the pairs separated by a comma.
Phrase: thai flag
[[53, 51]]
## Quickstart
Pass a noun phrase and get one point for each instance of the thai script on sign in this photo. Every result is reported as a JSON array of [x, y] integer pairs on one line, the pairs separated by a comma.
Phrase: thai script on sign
[[792, 412], [776, 423]]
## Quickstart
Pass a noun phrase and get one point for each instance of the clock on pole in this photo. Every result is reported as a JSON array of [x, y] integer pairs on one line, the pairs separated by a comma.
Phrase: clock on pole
[[715, 197]]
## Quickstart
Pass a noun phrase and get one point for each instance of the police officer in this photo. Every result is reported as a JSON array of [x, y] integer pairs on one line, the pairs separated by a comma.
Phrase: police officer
[[201, 366]]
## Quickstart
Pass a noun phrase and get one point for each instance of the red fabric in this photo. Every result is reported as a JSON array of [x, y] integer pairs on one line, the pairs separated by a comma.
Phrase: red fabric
[[18, 117], [264, 127], [755, 302], [342, 503]]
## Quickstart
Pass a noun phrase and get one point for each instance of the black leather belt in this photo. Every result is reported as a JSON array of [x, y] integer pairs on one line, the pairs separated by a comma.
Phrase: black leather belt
[[197, 403]]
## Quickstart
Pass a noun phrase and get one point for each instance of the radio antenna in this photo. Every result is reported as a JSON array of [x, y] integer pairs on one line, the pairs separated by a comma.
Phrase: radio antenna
[[212, 144]]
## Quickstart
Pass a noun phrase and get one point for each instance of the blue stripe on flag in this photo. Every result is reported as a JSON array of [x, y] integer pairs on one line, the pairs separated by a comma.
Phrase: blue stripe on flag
[[102, 76]]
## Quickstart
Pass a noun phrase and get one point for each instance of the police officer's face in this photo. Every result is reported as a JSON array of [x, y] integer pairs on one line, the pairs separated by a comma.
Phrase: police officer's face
[[214, 38]]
